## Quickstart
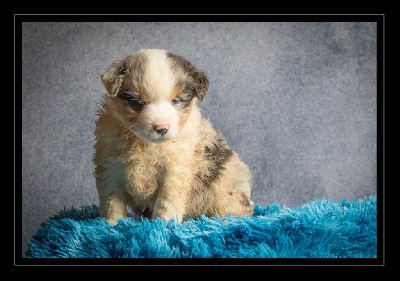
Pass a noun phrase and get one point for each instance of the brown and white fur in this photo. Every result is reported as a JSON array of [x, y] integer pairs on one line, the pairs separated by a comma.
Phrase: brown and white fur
[[154, 151]]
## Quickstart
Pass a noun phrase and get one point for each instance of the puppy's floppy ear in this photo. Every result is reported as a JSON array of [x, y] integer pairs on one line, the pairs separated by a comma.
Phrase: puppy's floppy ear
[[113, 76], [199, 81]]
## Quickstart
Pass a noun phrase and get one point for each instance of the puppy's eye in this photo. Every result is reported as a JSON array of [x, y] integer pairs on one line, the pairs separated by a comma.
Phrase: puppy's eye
[[175, 101], [137, 102], [133, 99], [128, 96]]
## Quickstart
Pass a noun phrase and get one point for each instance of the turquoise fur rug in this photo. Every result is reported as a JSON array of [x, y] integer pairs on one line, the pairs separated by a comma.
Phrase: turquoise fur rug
[[319, 229]]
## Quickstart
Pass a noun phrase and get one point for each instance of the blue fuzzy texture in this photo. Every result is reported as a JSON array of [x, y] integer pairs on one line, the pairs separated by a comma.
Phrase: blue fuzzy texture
[[319, 229]]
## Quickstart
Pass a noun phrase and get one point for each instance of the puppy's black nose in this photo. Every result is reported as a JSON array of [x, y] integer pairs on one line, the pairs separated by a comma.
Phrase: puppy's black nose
[[161, 129]]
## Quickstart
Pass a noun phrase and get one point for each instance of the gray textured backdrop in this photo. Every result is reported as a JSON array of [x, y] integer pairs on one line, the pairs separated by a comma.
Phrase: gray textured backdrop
[[296, 100]]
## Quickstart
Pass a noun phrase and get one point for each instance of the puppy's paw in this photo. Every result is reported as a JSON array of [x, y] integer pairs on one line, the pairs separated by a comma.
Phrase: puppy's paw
[[167, 212], [112, 222]]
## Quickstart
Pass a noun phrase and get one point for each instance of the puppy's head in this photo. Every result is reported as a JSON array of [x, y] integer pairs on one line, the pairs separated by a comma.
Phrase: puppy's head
[[152, 92]]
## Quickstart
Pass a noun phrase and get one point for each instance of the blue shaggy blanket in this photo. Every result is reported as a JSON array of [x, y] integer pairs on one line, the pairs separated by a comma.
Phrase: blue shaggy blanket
[[320, 229]]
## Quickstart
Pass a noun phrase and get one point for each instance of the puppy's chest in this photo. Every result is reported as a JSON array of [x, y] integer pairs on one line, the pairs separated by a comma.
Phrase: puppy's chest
[[146, 168], [144, 174]]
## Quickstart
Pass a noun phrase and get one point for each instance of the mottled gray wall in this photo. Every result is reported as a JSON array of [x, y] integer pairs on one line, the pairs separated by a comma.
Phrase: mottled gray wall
[[296, 100]]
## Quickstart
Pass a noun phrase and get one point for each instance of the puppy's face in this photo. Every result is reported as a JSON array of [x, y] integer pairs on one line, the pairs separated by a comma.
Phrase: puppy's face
[[152, 92]]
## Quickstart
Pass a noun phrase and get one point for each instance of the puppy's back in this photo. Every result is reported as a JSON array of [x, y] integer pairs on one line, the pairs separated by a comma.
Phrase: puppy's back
[[222, 182]]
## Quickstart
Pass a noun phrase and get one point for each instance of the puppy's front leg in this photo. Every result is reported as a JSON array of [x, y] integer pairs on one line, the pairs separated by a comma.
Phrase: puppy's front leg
[[112, 206], [172, 196]]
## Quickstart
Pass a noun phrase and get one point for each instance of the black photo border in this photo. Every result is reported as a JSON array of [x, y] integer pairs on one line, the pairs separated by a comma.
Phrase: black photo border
[[19, 260]]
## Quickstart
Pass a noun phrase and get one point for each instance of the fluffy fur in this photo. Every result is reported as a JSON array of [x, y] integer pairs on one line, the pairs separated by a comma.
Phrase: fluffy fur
[[154, 151], [320, 229]]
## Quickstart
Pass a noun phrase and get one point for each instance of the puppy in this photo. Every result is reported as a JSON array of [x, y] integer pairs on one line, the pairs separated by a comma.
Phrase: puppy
[[155, 153]]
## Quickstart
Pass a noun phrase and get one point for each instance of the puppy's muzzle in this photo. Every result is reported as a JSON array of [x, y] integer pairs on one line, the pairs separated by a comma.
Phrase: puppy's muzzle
[[161, 129]]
